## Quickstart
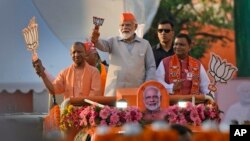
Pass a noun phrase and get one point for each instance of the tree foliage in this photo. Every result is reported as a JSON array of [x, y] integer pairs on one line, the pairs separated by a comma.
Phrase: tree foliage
[[191, 16]]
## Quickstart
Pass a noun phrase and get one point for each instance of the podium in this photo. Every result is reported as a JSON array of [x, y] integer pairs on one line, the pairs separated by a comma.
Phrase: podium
[[129, 94]]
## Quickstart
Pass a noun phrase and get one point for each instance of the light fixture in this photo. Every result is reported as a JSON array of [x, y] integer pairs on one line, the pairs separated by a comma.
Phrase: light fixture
[[122, 103], [182, 104]]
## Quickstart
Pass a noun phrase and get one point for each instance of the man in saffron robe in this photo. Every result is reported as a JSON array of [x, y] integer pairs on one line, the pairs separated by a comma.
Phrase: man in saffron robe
[[182, 74], [131, 57], [79, 79]]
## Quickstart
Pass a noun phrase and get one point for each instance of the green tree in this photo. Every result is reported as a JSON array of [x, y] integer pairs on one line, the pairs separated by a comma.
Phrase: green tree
[[190, 16], [242, 30]]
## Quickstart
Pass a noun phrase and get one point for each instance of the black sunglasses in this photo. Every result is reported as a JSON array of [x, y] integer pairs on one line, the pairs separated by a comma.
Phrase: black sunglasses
[[165, 30]]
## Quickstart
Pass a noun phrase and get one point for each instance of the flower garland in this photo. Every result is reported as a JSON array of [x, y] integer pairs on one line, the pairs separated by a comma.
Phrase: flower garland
[[193, 115], [52, 120], [92, 116], [70, 117]]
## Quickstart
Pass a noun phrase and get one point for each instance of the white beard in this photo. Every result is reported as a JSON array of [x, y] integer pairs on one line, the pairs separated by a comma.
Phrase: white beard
[[126, 35], [153, 108]]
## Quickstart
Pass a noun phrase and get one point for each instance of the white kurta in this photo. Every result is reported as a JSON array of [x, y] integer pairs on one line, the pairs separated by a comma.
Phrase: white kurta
[[131, 64]]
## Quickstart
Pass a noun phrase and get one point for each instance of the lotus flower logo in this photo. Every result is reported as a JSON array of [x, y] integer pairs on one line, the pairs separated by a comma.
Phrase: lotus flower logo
[[220, 70]]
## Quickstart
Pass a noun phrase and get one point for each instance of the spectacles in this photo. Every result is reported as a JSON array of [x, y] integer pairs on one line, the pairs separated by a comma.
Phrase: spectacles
[[165, 30]]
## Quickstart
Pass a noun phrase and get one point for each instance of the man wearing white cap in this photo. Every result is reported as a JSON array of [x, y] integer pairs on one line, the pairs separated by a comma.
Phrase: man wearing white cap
[[131, 58]]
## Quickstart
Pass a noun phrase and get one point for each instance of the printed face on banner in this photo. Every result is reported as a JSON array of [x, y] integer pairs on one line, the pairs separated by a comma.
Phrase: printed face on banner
[[152, 98]]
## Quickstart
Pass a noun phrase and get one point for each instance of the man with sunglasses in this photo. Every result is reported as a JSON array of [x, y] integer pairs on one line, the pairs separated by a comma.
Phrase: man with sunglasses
[[164, 48]]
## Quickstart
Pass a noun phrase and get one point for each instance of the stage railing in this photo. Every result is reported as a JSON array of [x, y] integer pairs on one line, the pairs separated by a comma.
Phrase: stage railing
[[173, 99]]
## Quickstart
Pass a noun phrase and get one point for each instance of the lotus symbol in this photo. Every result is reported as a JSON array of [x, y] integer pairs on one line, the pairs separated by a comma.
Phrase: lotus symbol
[[220, 70]]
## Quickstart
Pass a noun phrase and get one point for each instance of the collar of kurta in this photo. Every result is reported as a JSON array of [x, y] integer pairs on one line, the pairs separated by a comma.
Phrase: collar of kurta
[[136, 39], [85, 65]]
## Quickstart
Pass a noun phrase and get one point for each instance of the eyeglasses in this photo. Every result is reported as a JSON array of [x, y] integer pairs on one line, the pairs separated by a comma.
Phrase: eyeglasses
[[165, 30]]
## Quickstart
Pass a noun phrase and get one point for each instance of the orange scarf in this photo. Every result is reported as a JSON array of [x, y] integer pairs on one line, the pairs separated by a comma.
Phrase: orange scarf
[[175, 72], [103, 78]]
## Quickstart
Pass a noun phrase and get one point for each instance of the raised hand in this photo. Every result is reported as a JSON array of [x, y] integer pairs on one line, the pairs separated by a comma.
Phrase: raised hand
[[95, 35], [38, 67]]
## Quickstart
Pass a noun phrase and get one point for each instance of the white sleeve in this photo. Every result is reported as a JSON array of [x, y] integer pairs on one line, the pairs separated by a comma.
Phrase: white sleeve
[[160, 77], [103, 45], [204, 80]]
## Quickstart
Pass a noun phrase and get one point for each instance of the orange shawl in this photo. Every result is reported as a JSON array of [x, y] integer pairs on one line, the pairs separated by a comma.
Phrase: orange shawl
[[174, 74]]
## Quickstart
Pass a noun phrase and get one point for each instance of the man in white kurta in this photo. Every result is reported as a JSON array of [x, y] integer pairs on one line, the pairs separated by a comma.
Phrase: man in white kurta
[[131, 58], [181, 74]]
